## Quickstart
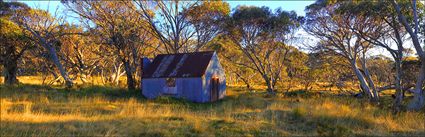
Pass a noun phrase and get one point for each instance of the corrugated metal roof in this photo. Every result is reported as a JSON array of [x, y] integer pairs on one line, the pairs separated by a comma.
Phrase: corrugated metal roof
[[179, 65]]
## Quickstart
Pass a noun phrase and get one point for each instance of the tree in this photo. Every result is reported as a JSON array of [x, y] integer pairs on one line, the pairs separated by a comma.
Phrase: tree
[[335, 32], [14, 41], [382, 30], [382, 69], [183, 26], [329, 68], [262, 37], [207, 20], [118, 27], [297, 68], [413, 30], [45, 30], [230, 59], [79, 53]]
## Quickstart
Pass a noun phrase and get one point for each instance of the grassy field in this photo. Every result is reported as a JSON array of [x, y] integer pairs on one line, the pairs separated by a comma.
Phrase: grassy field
[[34, 110]]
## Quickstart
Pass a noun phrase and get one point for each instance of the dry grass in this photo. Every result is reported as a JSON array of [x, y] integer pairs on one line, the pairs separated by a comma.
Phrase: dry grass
[[38, 80], [31, 110]]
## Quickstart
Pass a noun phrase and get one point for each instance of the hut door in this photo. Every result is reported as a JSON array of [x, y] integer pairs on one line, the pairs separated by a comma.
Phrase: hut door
[[214, 89]]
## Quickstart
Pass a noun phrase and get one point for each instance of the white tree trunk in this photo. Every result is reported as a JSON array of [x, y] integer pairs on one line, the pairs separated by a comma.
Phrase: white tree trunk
[[361, 78], [54, 57], [399, 89], [369, 80], [418, 101]]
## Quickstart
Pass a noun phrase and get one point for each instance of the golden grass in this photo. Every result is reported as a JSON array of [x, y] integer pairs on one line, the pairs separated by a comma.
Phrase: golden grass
[[31, 110], [38, 80]]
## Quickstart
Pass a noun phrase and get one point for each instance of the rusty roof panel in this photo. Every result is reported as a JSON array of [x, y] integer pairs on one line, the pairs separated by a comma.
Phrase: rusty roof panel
[[179, 65]]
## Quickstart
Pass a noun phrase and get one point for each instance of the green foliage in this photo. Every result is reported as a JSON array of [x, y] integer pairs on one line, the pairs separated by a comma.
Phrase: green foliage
[[262, 18], [7, 11], [213, 11], [374, 9], [8, 28], [10, 31], [261, 36]]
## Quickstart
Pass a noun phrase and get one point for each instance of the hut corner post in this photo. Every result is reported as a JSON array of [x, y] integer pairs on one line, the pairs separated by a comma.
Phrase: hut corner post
[[145, 62]]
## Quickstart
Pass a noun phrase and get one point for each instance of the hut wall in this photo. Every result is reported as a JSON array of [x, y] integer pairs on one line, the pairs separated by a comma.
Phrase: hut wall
[[153, 87], [214, 69], [187, 88]]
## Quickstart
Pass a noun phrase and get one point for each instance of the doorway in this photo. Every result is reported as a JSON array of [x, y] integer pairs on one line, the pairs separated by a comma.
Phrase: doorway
[[214, 89]]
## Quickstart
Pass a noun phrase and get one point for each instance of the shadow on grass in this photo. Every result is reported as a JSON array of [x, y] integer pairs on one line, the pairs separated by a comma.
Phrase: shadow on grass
[[302, 123], [29, 91], [110, 127]]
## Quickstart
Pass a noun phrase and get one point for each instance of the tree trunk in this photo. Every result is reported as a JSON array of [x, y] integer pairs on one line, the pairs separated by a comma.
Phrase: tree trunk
[[10, 68], [399, 90], [129, 73], [270, 87], [116, 77], [361, 78], [418, 101], [369, 81], [248, 86], [136, 65], [54, 57]]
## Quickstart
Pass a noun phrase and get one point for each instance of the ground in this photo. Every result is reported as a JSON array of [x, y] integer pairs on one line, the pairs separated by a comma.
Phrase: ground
[[35, 110]]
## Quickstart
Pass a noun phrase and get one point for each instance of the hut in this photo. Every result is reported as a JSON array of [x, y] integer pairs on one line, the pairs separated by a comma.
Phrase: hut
[[197, 77]]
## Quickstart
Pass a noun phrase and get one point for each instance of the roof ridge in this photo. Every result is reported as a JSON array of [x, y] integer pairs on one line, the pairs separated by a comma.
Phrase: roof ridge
[[187, 53]]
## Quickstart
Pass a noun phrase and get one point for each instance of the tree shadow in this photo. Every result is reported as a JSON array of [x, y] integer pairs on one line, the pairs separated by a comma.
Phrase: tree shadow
[[109, 93], [305, 124], [109, 127]]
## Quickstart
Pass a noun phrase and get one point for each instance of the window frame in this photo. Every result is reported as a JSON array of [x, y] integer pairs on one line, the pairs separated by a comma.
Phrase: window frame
[[170, 82]]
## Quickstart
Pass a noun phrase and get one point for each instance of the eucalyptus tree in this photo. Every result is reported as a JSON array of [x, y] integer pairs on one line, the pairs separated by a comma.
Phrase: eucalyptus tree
[[14, 42], [183, 26], [207, 19], [44, 30], [118, 27], [335, 31], [230, 59], [263, 36], [328, 67], [413, 29], [383, 30], [79, 53]]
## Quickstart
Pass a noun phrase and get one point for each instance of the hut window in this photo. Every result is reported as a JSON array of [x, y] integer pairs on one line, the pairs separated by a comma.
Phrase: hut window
[[171, 82]]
